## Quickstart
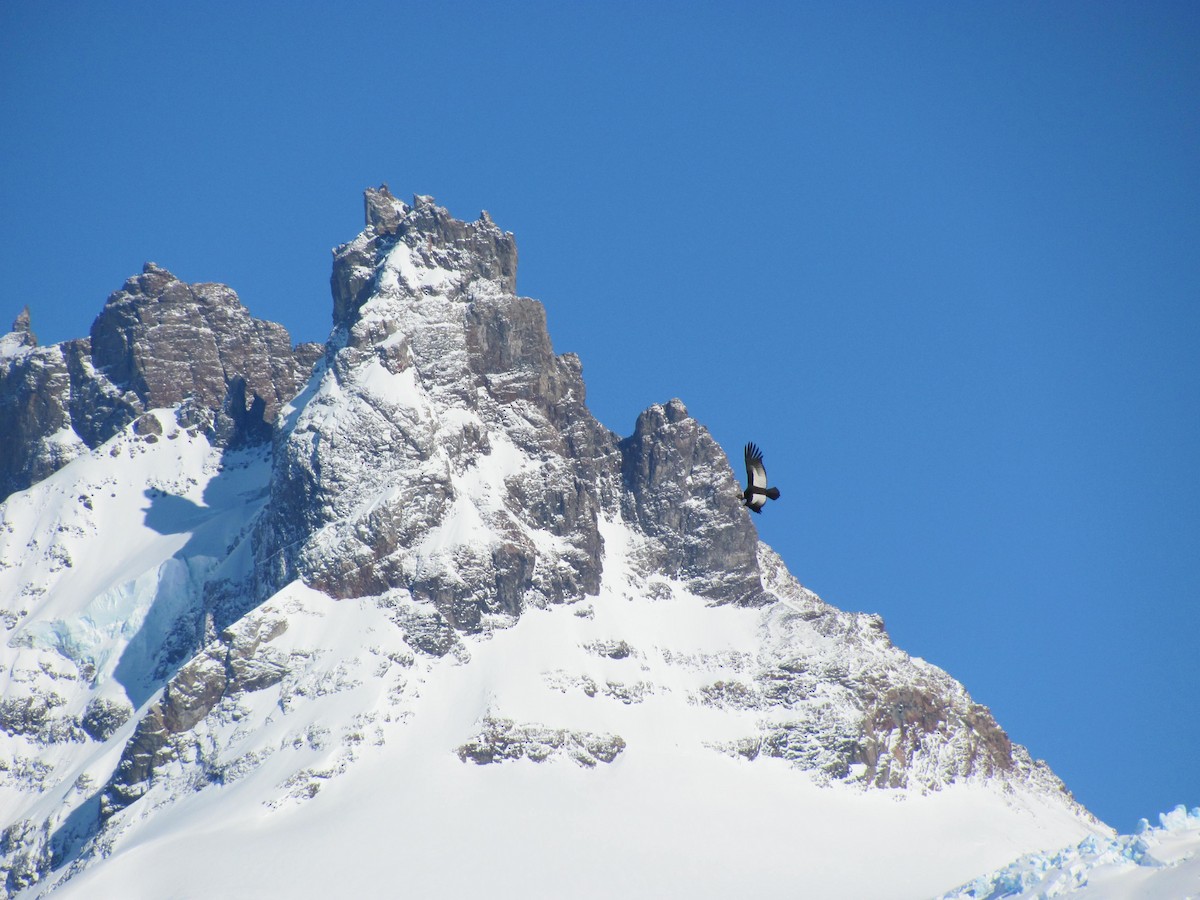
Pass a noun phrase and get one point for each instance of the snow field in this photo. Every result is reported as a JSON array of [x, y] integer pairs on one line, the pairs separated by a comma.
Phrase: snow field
[[668, 817]]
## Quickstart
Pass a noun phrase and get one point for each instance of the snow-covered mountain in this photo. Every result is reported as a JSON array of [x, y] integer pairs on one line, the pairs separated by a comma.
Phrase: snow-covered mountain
[[420, 625]]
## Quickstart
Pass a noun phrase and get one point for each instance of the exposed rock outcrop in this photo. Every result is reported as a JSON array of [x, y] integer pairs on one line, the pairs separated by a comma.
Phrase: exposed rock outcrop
[[36, 438], [502, 740], [168, 341], [22, 333], [158, 343], [680, 490], [239, 660]]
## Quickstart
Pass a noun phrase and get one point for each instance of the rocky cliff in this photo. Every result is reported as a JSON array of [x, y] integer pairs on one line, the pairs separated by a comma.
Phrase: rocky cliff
[[158, 343], [303, 565]]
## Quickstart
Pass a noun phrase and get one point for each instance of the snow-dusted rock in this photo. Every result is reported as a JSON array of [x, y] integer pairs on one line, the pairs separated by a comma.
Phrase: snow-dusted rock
[[503, 739], [157, 343], [443, 448], [35, 385], [681, 492]]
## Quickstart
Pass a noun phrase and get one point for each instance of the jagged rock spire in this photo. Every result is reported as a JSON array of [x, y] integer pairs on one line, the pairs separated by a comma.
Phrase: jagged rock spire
[[467, 252], [437, 369], [20, 339], [21, 326], [679, 489]]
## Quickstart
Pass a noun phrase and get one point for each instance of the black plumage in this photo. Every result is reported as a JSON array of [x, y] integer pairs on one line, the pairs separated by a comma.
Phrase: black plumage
[[757, 493]]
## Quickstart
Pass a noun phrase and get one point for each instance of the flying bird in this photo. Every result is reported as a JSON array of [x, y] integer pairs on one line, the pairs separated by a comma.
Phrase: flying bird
[[757, 493]]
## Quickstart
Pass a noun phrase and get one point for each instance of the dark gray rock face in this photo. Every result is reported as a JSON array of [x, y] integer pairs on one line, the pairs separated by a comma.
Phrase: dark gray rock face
[[680, 490], [502, 740], [168, 341], [34, 717], [102, 718], [34, 416], [22, 333], [239, 660], [158, 342]]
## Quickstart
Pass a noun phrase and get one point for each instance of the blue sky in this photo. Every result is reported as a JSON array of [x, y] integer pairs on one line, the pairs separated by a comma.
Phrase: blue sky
[[938, 259]]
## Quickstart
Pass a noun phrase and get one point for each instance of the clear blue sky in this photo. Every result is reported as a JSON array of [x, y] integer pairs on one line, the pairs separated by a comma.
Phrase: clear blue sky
[[940, 260]]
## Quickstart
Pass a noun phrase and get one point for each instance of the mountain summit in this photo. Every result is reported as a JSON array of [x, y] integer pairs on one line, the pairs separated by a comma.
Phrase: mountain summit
[[400, 611]]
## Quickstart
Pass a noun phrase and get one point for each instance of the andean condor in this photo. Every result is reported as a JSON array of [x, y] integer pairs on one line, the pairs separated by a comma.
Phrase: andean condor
[[757, 493]]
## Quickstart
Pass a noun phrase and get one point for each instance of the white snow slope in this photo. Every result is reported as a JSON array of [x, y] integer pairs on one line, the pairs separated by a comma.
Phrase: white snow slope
[[343, 779]]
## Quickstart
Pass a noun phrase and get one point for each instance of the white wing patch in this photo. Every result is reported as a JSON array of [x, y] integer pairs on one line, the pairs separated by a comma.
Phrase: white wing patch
[[758, 475]]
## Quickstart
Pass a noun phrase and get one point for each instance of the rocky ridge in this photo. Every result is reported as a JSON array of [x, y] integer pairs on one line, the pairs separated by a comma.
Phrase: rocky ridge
[[158, 343], [438, 482]]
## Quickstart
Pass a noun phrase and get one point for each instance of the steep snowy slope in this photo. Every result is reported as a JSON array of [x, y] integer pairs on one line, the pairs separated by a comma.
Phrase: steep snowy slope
[[102, 570], [421, 780], [364, 770], [448, 632]]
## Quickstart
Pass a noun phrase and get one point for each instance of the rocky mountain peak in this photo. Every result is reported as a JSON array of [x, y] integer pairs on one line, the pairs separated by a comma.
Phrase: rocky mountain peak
[[438, 248], [169, 341], [383, 211], [21, 327], [157, 343], [440, 556], [445, 379], [20, 340], [442, 398]]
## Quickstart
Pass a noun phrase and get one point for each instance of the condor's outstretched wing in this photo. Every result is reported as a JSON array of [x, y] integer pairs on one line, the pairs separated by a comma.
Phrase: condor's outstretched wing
[[756, 478], [756, 472]]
